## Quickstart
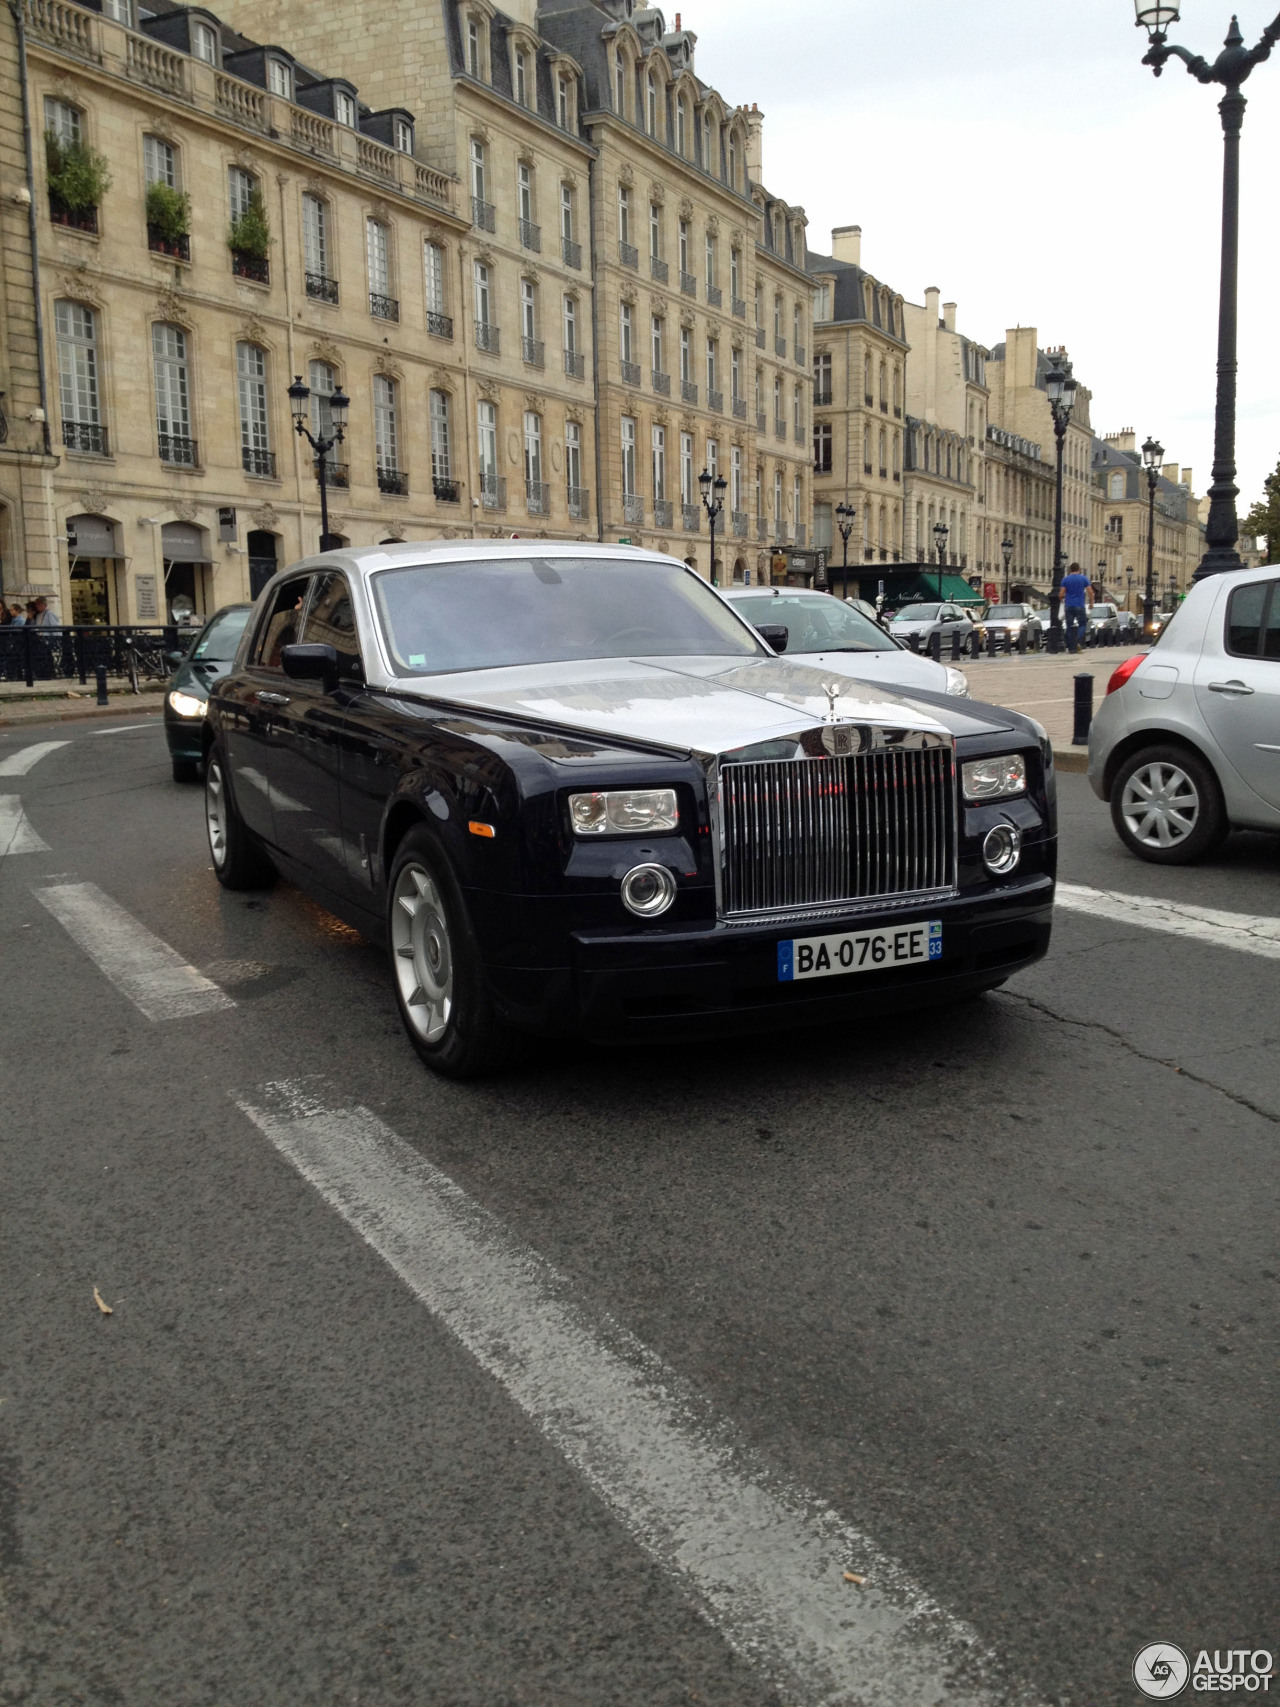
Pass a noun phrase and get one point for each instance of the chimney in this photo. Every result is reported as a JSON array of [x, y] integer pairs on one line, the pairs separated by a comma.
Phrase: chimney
[[1186, 479], [846, 244], [931, 295], [677, 23], [755, 143], [1170, 471], [949, 316]]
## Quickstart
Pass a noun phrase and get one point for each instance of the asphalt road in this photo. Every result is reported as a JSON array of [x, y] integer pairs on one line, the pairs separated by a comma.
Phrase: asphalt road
[[995, 1285]]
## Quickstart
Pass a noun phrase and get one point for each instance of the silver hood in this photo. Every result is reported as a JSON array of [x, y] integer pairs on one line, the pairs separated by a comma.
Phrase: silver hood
[[712, 706]]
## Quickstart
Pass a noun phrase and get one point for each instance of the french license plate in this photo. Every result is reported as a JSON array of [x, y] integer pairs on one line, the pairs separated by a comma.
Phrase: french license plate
[[858, 951]]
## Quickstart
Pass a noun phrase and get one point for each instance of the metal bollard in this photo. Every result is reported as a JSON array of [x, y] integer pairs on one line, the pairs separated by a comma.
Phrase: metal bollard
[[100, 672], [1022, 642], [1083, 710], [955, 645], [913, 642], [935, 646], [991, 643]]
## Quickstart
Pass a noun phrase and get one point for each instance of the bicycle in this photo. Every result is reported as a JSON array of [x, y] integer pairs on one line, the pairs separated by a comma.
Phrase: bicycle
[[145, 659]]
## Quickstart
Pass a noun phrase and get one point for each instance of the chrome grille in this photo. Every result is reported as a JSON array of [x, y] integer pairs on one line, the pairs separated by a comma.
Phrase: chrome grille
[[818, 833]]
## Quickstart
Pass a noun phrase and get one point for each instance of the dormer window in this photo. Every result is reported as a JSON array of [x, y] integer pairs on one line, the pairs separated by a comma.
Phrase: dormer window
[[522, 77], [733, 162], [204, 42], [344, 108], [562, 101], [651, 97], [403, 132], [681, 119], [822, 302], [280, 79], [120, 10], [620, 87], [475, 46]]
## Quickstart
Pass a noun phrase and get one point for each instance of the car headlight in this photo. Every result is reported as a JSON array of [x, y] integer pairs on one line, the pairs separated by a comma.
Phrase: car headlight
[[623, 811], [994, 779], [187, 705], [957, 682]]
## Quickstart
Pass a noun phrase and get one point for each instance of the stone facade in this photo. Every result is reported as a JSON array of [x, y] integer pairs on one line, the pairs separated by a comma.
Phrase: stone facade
[[1121, 526], [947, 402]]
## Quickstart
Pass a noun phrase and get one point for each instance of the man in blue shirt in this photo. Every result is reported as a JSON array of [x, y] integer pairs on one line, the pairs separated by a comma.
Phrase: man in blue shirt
[[1077, 596]]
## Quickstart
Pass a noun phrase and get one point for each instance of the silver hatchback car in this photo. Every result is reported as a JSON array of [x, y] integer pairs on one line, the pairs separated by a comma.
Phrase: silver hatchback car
[[1186, 744]]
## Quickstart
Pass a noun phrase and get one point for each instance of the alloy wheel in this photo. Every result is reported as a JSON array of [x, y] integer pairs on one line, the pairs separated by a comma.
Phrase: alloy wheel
[[423, 951], [215, 813], [1160, 804]]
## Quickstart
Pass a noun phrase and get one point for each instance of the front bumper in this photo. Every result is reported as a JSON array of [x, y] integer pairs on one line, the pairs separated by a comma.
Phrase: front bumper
[[185, 735], [718, 979]]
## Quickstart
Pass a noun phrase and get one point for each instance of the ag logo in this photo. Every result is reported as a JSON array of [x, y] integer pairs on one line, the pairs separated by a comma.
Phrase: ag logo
[[1161, 1671]]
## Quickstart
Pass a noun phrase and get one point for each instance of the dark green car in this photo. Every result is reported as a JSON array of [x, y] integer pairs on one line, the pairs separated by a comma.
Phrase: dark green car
[[187, 696]]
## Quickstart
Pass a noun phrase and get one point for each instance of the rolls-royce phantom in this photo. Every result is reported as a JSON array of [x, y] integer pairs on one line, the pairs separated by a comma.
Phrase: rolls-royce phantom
[[572, 791]]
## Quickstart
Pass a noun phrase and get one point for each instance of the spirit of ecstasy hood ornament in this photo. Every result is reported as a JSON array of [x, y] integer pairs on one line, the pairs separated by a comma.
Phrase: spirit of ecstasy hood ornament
[[832, 691]]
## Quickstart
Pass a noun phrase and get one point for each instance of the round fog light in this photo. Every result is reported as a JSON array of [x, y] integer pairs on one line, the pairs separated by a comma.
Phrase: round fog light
[[648, 890], [1002, 848]]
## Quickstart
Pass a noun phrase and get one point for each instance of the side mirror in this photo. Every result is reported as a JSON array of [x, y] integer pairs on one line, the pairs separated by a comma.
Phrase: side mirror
[[310, 663], [774, 634]]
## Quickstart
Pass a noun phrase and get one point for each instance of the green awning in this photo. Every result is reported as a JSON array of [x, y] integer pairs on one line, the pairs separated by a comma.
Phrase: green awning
[[955, 589]]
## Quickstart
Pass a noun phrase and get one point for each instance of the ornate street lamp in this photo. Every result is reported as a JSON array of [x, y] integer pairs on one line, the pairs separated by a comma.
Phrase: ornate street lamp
[[1153, 457], [846, 513], [339, 403], [1230, 69], [1061, 388], [940, 532], [1102, 573], [1006, 547], [1128, 597], [714, 507]]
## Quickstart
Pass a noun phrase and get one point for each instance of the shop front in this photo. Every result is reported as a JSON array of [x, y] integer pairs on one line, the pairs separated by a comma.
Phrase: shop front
[[188, 570], [96, 570]]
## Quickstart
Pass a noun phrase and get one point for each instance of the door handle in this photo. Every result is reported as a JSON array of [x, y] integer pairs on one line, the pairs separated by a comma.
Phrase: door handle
[[283, 698], [1226, 687]]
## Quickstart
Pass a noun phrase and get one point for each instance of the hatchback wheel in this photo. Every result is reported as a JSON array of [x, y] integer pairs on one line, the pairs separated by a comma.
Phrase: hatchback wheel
[[1167, 807]]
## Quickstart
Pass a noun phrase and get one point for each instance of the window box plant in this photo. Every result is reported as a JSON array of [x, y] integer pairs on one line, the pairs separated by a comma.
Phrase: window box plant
[[250, 242], [168, 222], [78, 179]]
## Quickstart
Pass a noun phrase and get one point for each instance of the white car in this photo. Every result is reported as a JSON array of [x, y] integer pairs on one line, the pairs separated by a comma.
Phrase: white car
[[826, 632], [1186, 744]]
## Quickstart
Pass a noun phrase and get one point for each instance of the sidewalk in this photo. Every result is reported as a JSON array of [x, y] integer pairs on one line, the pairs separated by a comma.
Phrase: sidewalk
[[1043, 687], [62, 702]]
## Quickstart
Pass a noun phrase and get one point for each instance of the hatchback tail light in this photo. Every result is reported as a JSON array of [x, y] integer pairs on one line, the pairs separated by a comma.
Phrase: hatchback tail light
[[1120, 675]]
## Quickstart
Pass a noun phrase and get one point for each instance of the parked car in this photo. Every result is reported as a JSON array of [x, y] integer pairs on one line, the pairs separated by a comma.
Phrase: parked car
[[1104, 623], [1186, 744], [921, 621], [830, 634], [187, 698], [572, 791], [1014, 624]]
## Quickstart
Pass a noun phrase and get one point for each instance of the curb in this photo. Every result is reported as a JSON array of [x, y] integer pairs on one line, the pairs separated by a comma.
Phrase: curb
[[59, 711], [1071, 758]]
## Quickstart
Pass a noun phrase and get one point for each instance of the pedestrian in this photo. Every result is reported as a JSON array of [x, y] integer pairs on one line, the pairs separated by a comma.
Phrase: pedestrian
[[43, 617], [1077, 597], [18, 617], [6, 614]]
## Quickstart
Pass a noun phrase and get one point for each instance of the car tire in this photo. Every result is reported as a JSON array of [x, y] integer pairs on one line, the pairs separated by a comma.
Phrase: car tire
[[186, 770], [1185, 818], [436, 970], [239, 859]]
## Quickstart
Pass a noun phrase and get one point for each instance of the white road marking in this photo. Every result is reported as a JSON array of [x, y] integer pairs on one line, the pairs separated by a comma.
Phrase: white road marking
[[154, 976], [16, 834], [19, 763], [1252, 933], [763, 1557], [148, 722]]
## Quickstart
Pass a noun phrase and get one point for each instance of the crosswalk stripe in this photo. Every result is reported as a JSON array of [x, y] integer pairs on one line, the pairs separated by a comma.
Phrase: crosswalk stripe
[[19, 763], [1250, 933], [16, 834], [154, 976], [765, 1558]]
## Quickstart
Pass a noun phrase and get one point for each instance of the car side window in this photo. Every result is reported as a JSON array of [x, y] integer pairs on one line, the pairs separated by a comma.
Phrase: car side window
[[1245, 610], [1271, 627], [281, 627], [331, 621]]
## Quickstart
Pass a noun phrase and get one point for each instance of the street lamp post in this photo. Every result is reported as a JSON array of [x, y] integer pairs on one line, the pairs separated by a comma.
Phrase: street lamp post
[[846, 513], [1061, 388], [1102, 573], [1153, 457], [1128, 597], [1006, 548], [1230, 69], [714, 507], [940, 532], [339, 403]]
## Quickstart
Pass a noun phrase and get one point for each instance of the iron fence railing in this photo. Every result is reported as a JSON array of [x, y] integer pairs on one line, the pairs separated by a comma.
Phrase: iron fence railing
[[87, 437], [72, 654]]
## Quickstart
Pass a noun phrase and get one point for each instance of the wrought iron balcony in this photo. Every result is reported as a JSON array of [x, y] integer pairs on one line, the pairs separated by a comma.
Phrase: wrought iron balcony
[[740, 525], [630, 372], [440, 325], [533, 352], [579, 502], [739, 307], [821, 399], [760, 340], [799, 533], [483, 214], [629, 255], [633, 508], [383, 307], [688, 283], [530, 236], [715, 400], [688, 391], [762, 530], [662, 383], [82, 219], [335, 473], [739, 408], [180, 451], [177, 248], [800, 434], [259, 462], [691, 517], [493, 491], [762, 423], [394, 482], [780, 431], [537, 495], [446, 491], [715, 296], [88, 438], [322, 289], [662, 509], [571, 252], [575, 364], [779, 533], [658, 269], [799, 353], [488, 338], [256, 268], [779, 345]]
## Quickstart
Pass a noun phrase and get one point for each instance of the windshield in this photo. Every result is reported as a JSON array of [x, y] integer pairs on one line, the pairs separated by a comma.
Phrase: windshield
[[217, 645], [1009, 612], [917, 613], [814, 622], [484, 614]]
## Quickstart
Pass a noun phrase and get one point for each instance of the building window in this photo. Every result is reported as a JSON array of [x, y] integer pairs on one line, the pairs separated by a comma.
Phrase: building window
[[378, 247], [160, 162], [656, 340], [620, 87], [760, 304], [386, 447], [711, 262], [473, 46], [441, 462], [688, 496], [119, 10], [570, 325], [683, 235], [241, 189], [628, 456], [777, 496], [624, 214], [797, 500], [404, 136], [533, 455], [251, 386], [562, 100], [315, 238], [822, 447], [713, 458], [521, 81], [651, 98], [324, 382], [735, 274], [566, 212], [344, 108], [822, 302], [735, 374], [686, 355], [735, 479], [478, 176], [1117, 486], [487, 443], [204, 43], [713, 366], [659, 464], [280, 79], [483, 299], [528, 312], [822, 379], [62, 122], [625, 330], [573, 467], [655, 231], [797, 328], [779, 418], [77, 334], [682, 146], [798, 411], [524, 193], [433, 277], [777, 317], [173, 393], [733, 162]]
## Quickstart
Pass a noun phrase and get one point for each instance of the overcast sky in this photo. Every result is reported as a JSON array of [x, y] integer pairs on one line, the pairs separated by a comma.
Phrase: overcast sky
[[1016, 154]]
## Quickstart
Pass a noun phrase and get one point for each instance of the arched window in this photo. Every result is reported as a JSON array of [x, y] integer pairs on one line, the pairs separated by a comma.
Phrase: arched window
[[651, 104], [173, 395], [76, 329], [620, 86], [255, 432]]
